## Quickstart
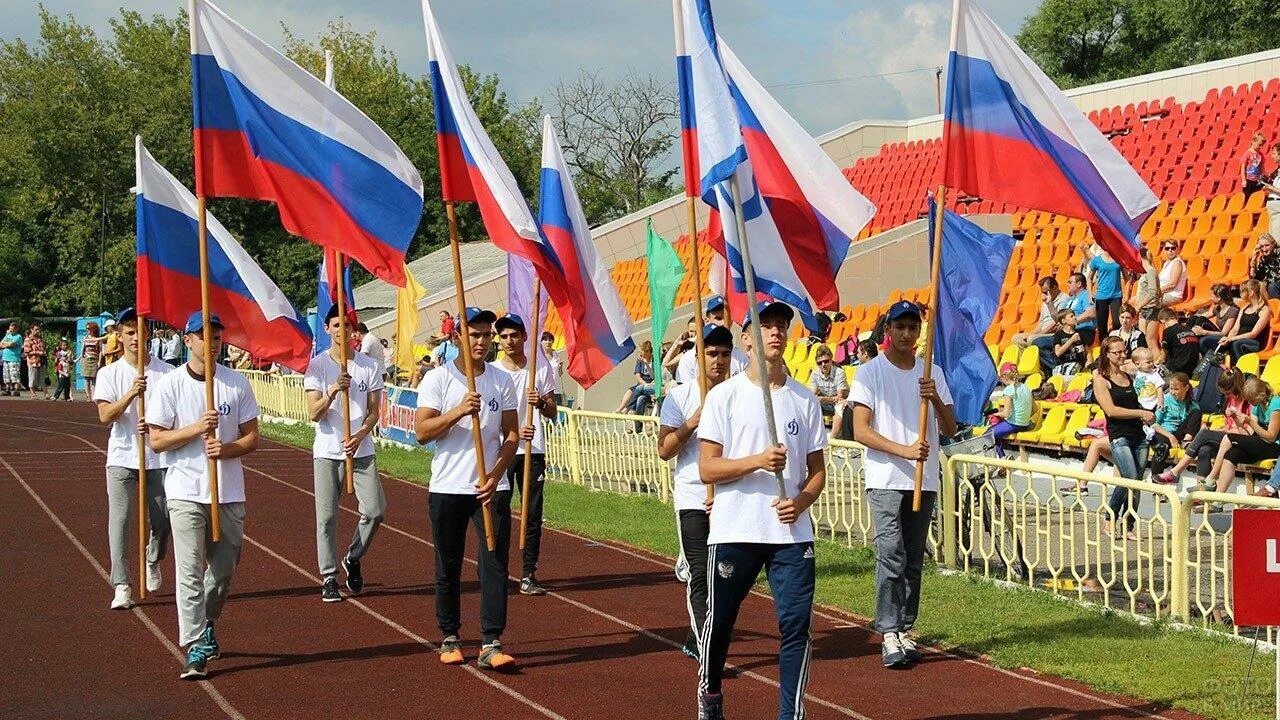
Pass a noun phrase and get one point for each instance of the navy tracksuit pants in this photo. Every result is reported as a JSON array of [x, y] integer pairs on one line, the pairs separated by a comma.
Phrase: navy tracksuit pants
[[732, 569]]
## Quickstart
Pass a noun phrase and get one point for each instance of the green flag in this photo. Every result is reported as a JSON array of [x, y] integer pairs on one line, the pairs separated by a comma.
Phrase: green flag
[[665, 275]]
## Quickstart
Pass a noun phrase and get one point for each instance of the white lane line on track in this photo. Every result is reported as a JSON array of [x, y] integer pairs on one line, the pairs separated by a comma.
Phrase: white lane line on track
[[847, 712], [207, 686], [839, 620]]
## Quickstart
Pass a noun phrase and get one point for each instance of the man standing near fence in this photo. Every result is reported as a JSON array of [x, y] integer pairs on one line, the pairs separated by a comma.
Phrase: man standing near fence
[[116, 395], [446, 411], [751, 527], [681, 413], [886, 400], [512, 340], [324, 382], [179, 423]]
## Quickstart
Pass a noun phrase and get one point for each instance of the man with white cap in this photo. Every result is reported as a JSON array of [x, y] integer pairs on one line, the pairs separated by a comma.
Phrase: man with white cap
[[180, 425]]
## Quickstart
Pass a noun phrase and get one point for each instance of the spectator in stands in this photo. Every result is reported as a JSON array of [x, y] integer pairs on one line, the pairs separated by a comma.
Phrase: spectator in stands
[[1203, 447], [1052, 299], [1147, 381], [832, 388], [1221, 311], [1272, 187], [1066, 354], [1146, 299], [1261, 424], [1129, 332], [1116, 393], [867, 351], [447, 350], [447, 325], [1264, 264], [90, 354], [1081, 308], [1247, 333], [1177, 422], [174, 349], [1104, 278], [641, 393], [1179, 345], [1251, 165], [1173, 275], [1014, 415]]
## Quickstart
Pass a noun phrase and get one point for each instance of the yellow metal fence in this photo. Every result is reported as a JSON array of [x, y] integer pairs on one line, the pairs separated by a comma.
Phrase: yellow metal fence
[[1039, 525]]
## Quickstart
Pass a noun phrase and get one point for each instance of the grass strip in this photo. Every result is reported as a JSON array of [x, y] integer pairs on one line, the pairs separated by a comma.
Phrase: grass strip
[[1011, 628]]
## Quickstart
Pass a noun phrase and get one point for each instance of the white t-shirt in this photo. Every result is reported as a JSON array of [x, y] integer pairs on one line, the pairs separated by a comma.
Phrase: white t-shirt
[[687, 370], [733, 417], [371, 346], [1149, 387], [545, 385], [114, 382], [453, 468], [681, 403], [178, 401], [322, 373], [893, 395]]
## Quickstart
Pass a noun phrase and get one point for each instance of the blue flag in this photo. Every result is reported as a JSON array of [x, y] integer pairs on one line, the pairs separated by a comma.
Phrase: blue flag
[[326, 297], [974, 263]]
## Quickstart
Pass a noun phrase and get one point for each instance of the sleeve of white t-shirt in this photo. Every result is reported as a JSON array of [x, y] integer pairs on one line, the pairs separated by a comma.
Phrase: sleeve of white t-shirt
[[671, 415], [861, 392], [106, 390], [546, 381], [312, 380], [160, 406], [715, 418], [944, 390], [248, 409], [376, 382], [1158, 381], [431, 392], [813, 383], [508, 398], [816, 432]]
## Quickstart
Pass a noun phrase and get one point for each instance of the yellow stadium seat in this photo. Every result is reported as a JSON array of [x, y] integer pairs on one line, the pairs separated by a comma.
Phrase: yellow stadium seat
[[1037, 417], [1249, 363], [1029, 360], [1077, 418], [1010, 355], [1055, 419], [1271, 372], [1034, 381]]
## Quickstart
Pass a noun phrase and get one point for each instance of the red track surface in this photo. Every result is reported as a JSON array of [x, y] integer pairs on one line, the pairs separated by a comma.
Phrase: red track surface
[[602, 646]]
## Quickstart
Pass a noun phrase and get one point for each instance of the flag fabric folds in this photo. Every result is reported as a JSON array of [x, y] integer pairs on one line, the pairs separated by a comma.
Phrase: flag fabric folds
[[1010, 135], [266, 129], [597, 325], [520, 276], [407, 319], [974, 263], [256, 314], [327, 297], [666, 272], [800, 213]]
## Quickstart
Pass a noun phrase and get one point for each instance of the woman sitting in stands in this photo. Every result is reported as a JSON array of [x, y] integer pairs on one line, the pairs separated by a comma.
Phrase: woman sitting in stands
[[1014, 415], [1249, 330], [1264, 264], [1204, 446], [1173, 275], [1115, 393], [1261, 426], [1212, 320], [640, 394]]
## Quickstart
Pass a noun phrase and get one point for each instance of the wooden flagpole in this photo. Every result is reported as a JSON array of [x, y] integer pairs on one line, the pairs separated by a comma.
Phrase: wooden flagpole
[[757, 337], [215, 520], [343, 349], [532, 362], [142, 359], [699, 346], [934, 268], [464, 350]]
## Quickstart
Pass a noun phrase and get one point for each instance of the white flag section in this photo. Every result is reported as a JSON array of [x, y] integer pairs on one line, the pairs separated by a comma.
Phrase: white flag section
[[720, 145]]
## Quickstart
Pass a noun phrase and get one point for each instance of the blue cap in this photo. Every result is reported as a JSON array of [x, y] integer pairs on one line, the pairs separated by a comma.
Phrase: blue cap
[[770, 308], [902, 308], [717, 335], [126, 315], [195, 322], [477, 315], [510, 321], [715, 302]]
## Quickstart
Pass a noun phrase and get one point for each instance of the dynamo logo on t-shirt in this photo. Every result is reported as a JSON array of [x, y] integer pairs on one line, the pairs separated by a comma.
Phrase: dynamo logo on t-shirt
[[493, 405], [363, 386], [224, 409], [793, 428]]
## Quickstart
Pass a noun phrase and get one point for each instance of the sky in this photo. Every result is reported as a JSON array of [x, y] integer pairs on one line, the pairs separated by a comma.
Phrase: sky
[[829, 62]]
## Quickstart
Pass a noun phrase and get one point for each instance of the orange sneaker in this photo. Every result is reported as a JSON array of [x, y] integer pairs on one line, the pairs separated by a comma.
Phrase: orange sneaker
[[451, 651], [492, 657]]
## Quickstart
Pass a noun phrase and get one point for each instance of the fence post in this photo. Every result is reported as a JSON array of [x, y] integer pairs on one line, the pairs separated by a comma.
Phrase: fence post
[[949, 514], [1180, 605], [575, 454]]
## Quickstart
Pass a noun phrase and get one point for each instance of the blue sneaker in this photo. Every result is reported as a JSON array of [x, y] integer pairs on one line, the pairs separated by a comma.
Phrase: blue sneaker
[[690, 648], [197, 662], [210, 642]]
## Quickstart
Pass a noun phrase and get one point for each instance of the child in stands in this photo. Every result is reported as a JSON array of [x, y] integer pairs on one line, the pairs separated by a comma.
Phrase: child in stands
[[1014, 415], [1203, 447], [1148, 382], [1176, 422], [1251, 165]]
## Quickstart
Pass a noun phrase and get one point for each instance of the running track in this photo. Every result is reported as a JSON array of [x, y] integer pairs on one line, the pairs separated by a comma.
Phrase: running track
[[602, 646]]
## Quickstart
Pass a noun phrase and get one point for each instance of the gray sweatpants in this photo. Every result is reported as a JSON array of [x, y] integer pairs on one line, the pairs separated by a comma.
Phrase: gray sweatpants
[[900, 538], [202, 567], [122, 503], [329, 488]]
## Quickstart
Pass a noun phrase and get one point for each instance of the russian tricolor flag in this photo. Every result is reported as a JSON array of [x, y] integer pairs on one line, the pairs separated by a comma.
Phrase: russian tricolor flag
[[801, 213], [256, 314], [266, 129], [1010, 135], [599, 336]]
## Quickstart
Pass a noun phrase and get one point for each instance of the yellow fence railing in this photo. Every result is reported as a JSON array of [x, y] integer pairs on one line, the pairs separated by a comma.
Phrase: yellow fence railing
[[1040, 525]]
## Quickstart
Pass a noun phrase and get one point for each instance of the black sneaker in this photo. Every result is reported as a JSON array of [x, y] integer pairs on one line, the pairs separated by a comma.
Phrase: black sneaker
[[710, 706], [530, 586], [197, 662], [355, 581], [210, 641], [329, 593]]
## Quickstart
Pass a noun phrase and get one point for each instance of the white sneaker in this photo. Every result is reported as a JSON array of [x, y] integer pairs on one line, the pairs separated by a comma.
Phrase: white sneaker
[[682, 569], [909, 648], [153, 577], [123, 599]]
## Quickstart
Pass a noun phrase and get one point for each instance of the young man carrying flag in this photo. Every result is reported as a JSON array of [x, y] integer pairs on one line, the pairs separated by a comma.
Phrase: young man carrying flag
[[679, 424], [446, 411], [686, 369], [116, 393], [179, 424], [324, 382], [751, 528], [512, 339]]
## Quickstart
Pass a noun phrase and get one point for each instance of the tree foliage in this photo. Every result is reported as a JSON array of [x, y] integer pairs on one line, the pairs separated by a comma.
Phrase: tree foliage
[[1078, 42]]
